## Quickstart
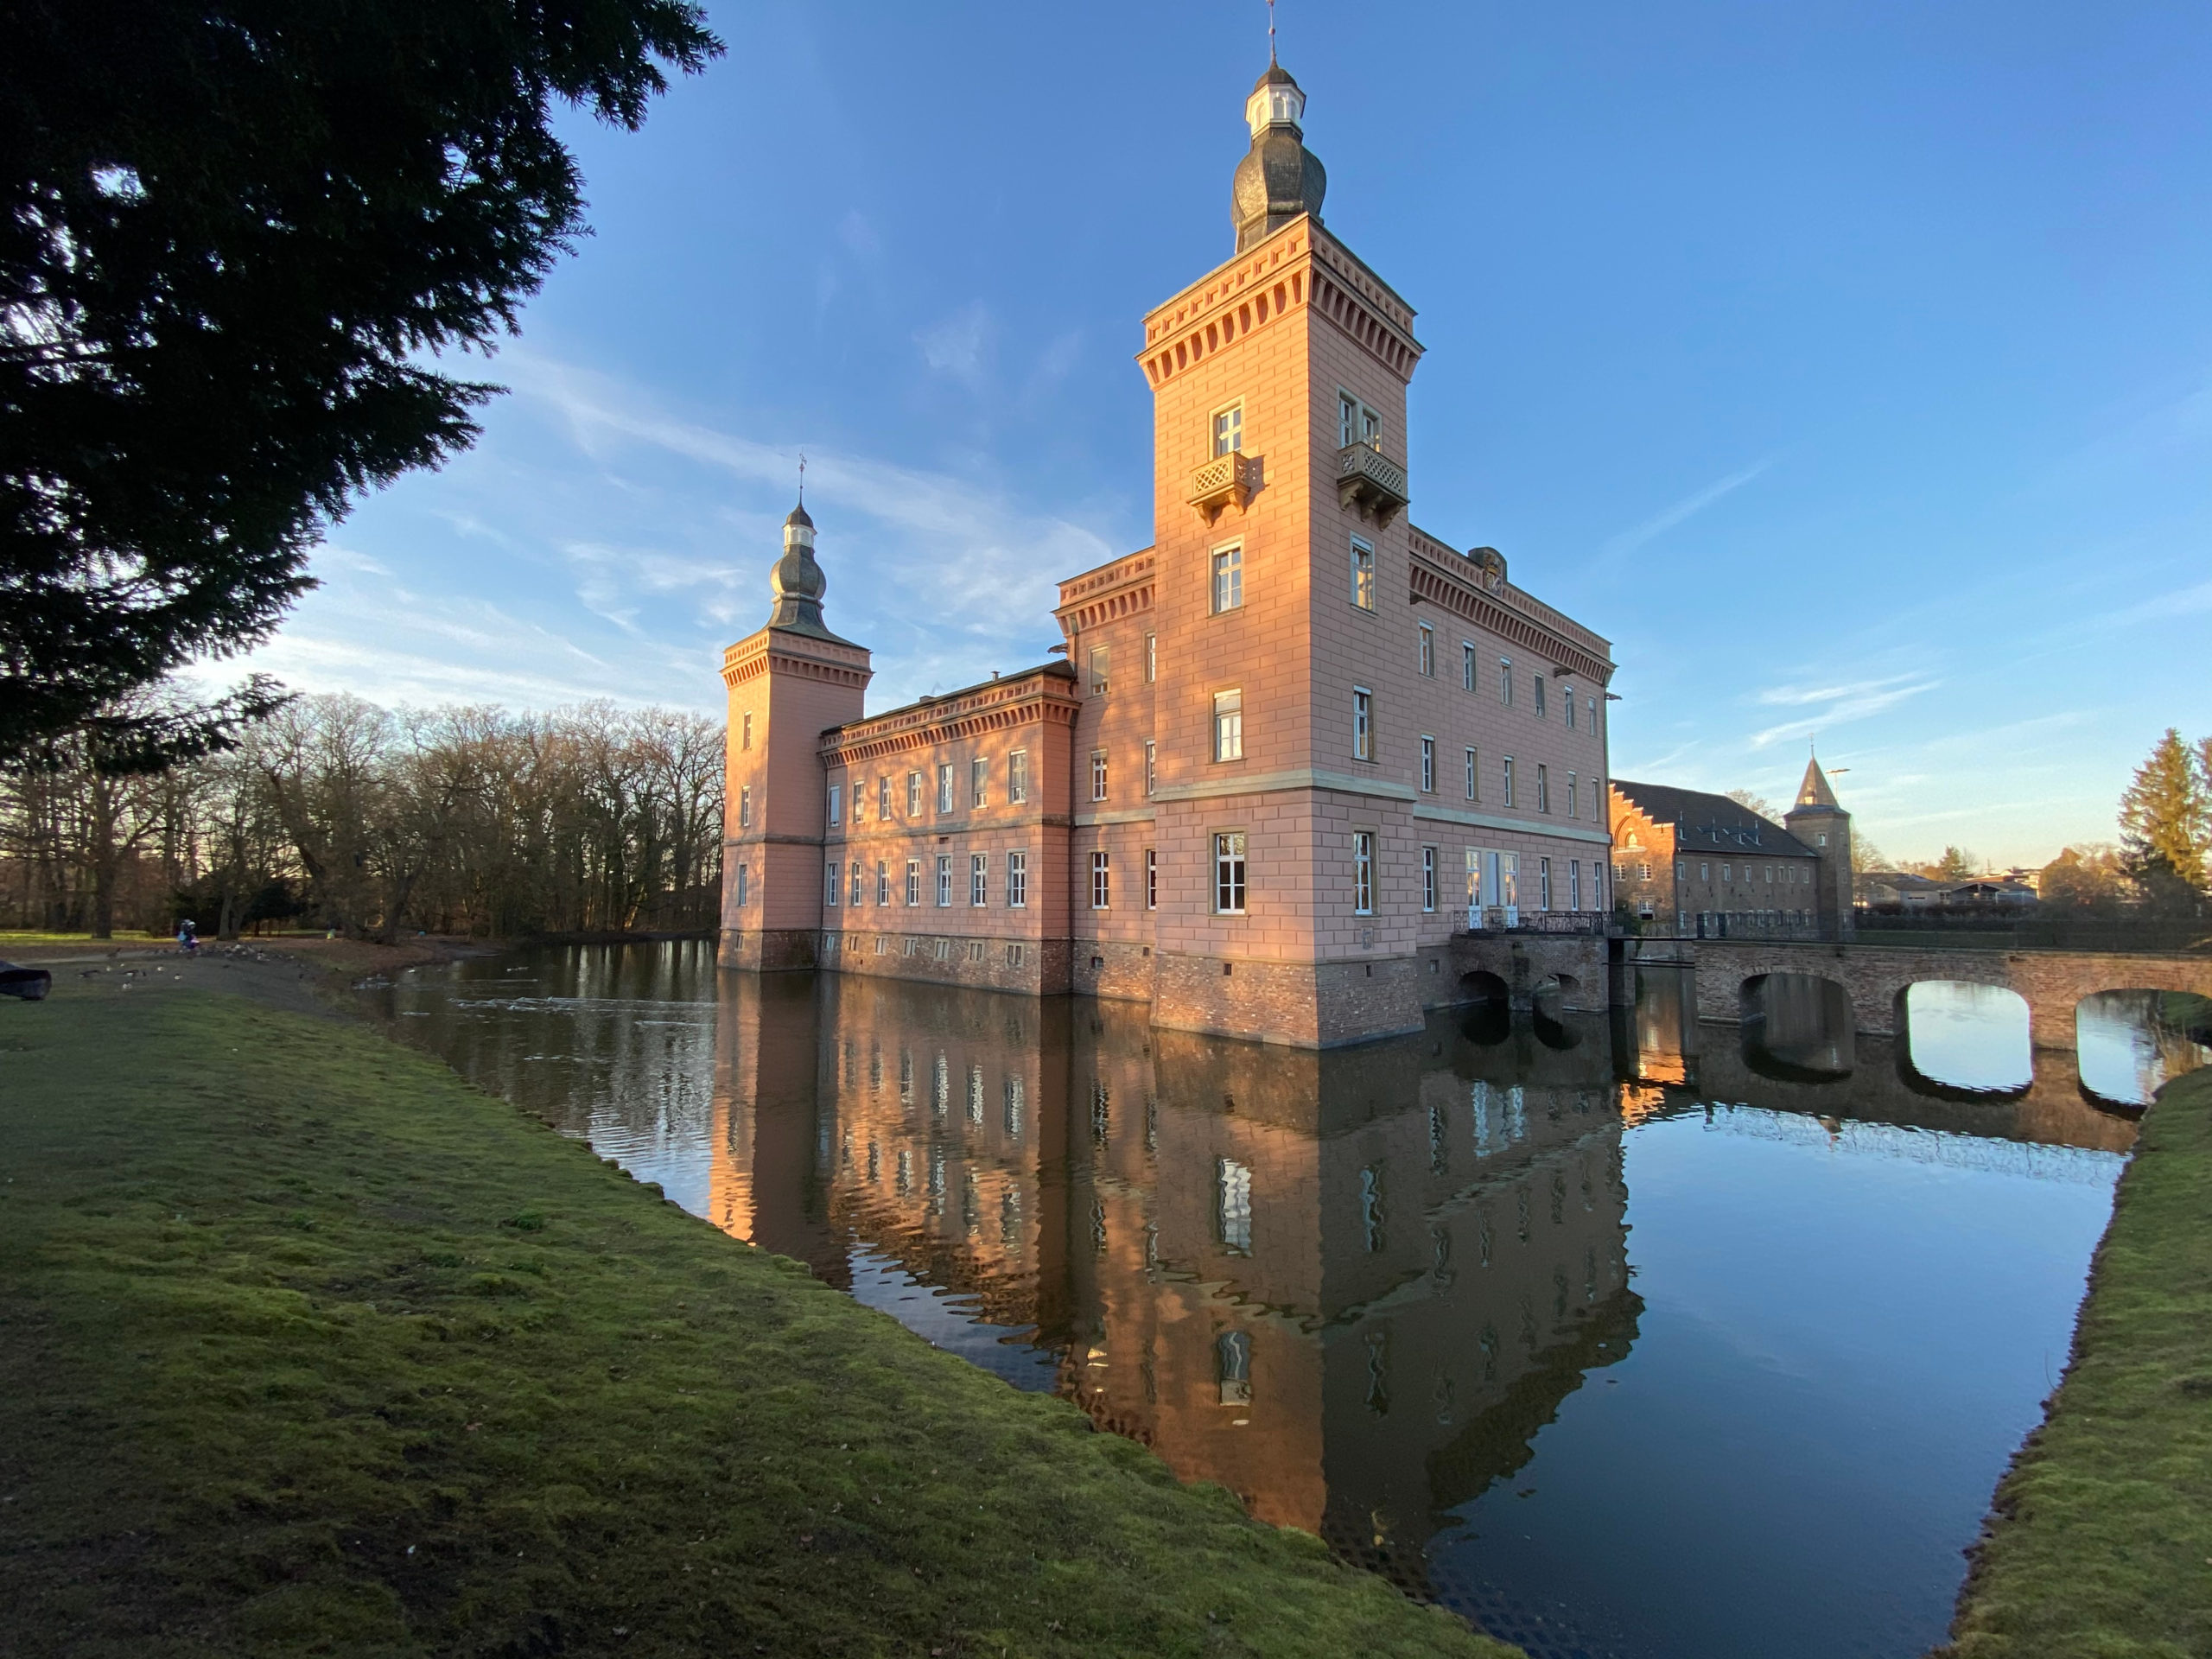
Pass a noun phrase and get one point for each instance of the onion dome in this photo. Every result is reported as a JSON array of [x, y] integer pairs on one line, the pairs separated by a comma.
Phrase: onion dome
[[1279, 179], [797, 580]]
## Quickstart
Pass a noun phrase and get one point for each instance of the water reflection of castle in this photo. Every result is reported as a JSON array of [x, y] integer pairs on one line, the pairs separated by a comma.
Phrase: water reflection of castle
[[1348, 1287]]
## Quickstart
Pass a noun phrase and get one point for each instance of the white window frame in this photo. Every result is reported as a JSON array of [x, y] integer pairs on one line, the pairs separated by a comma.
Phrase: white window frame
[[1428, 879], [1573, 802], [979, 783], [914, 794], [1231, 872], [1225, 430], [859, 884], [1017, 880], [1505, 682], [1226, 577], [1474, 774], [1363, 576], [883, 795], [1017, 778], [1362, 723], [836, 803], [744, 884], [1362, 872], [914, 881], [1569, 700], [1102, 879], [1228, 724], [1469, 670], [835, 872], [944, 797], [979, 879], [1536, 679], [882, 880], [1151, 657], [745, 806], [1543, 789], [1098, 774], [1509, 780], [1151, 767], [1543, 884], [944, 881], [1427, 765], [1102, 669], [1425, 652], [1152, 878]]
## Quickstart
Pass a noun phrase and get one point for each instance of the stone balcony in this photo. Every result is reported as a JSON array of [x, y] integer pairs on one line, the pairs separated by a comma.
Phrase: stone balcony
[[1225, 481], [1369, 480]]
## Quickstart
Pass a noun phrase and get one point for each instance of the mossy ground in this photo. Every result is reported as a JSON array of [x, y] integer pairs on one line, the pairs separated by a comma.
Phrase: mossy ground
[[2102, 1543], [307, 1347]]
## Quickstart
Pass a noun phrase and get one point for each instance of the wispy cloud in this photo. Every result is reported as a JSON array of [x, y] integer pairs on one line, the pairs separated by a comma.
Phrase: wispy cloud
[[1835, 705], [1660, 523], [957, 346]]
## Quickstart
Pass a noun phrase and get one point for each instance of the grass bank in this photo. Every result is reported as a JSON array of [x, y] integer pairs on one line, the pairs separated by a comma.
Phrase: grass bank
[[2100, 1543], [307, 1347]]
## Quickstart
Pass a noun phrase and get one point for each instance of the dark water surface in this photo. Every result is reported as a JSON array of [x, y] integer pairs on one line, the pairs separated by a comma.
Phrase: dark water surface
[[1625, 1339]]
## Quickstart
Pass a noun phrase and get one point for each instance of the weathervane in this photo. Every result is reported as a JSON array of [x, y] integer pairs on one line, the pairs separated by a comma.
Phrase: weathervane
[[1271, 31], [802, 453]]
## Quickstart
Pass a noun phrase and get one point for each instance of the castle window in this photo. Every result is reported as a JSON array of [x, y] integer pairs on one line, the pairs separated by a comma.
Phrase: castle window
[[944, 786], [836, 801], [1474, 775], [1151, 657], [1573, 810], [1151, 879], [1101, 882], [859, 885], [1357, 423], [913, 794], [1098, 774], [1017, 880], [1229, 429], [944, 880], [747, 742], [1426, 654], [1543, 788], [1509, 780], [1428, 878], [745, 807], [979, 782], [979, 865], [743, 872], [1227, 580], [1017, 776], [882, 882], [1151, 767], [1575, 882], [1590, 707], [1570, 708], [883, 796], [1467, 665], [1543, 884], [913, 880], [1643, 872], [1505, 681], [1362, 723], [1428, 765], [1538, 680], [1102, 669], [829, 884], [1228, 724], [1362, 872], [1363, 575]]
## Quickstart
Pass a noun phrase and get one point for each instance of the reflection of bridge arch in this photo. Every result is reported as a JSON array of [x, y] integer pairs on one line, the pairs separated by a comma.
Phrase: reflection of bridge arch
[[1998, 1047], [2129, 1040]]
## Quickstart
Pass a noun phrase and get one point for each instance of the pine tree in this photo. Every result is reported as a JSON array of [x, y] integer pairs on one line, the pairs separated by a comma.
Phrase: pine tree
[[2165, 823], [234, 237]]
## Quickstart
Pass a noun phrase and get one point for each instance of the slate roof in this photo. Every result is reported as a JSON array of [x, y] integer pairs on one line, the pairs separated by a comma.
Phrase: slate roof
[[1712, 824], [1058, 668]]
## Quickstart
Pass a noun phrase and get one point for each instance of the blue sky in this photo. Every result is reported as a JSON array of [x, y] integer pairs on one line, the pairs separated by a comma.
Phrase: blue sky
[[1849, 368]]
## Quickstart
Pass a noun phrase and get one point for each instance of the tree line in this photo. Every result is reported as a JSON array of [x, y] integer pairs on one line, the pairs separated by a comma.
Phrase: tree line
[[333, 812], [2163, 861]]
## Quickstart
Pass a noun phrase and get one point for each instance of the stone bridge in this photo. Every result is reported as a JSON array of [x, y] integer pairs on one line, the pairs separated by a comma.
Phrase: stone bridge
[[1875, 976], [1516, 964]]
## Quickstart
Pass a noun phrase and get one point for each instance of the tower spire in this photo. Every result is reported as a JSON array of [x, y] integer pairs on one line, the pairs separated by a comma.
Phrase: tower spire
[[1279, 179], [1271, 31]]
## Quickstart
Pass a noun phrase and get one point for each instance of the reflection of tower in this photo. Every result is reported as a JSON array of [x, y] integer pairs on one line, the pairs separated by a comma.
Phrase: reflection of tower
[[1823, 824], [772, 1124], [788, 680]]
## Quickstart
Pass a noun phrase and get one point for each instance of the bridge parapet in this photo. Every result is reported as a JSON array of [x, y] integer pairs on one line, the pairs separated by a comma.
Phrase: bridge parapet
[[1875, 976]]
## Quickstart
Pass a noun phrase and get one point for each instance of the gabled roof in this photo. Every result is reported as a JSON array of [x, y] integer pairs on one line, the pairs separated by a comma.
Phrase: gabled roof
[[1712, 824]]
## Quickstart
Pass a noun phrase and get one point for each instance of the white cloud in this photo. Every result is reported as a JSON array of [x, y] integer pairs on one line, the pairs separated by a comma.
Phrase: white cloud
[[957, 345], [1660, 523], [1836, 705]]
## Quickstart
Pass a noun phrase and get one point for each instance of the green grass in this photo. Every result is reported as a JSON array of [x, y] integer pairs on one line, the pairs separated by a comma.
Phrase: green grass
[[2102, 1543], [307, 1347], [31, 935]]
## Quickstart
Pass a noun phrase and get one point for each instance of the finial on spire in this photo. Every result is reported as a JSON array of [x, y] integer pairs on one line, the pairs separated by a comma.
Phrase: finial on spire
[[1271, 31], [802, 453]]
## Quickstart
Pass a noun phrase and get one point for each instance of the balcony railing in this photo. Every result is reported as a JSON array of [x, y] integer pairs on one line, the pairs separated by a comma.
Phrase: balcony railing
[[1369, 480], [1225, 481]]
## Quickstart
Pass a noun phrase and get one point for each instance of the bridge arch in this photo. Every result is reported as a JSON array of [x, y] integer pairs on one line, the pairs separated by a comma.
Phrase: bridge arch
[[1963, 1040], [1549, 999], [2130, 1041], [1488, 1001], [1796, 1026]]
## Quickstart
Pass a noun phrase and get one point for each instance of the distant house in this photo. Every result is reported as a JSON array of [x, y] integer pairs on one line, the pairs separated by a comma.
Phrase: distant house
[[1992, 890], [1896, 890]]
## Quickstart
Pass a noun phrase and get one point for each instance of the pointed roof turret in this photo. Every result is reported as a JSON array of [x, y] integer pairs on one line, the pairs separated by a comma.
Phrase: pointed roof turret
[[1815, 790], [797, 581], [1279, 178]]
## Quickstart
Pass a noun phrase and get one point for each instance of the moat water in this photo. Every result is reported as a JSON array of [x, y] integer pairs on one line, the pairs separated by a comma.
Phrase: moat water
[[1623, 1337]]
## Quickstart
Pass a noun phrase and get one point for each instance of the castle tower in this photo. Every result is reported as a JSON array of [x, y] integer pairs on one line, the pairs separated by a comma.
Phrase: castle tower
[[1821, 823], [788, 682], [1282, 551]]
